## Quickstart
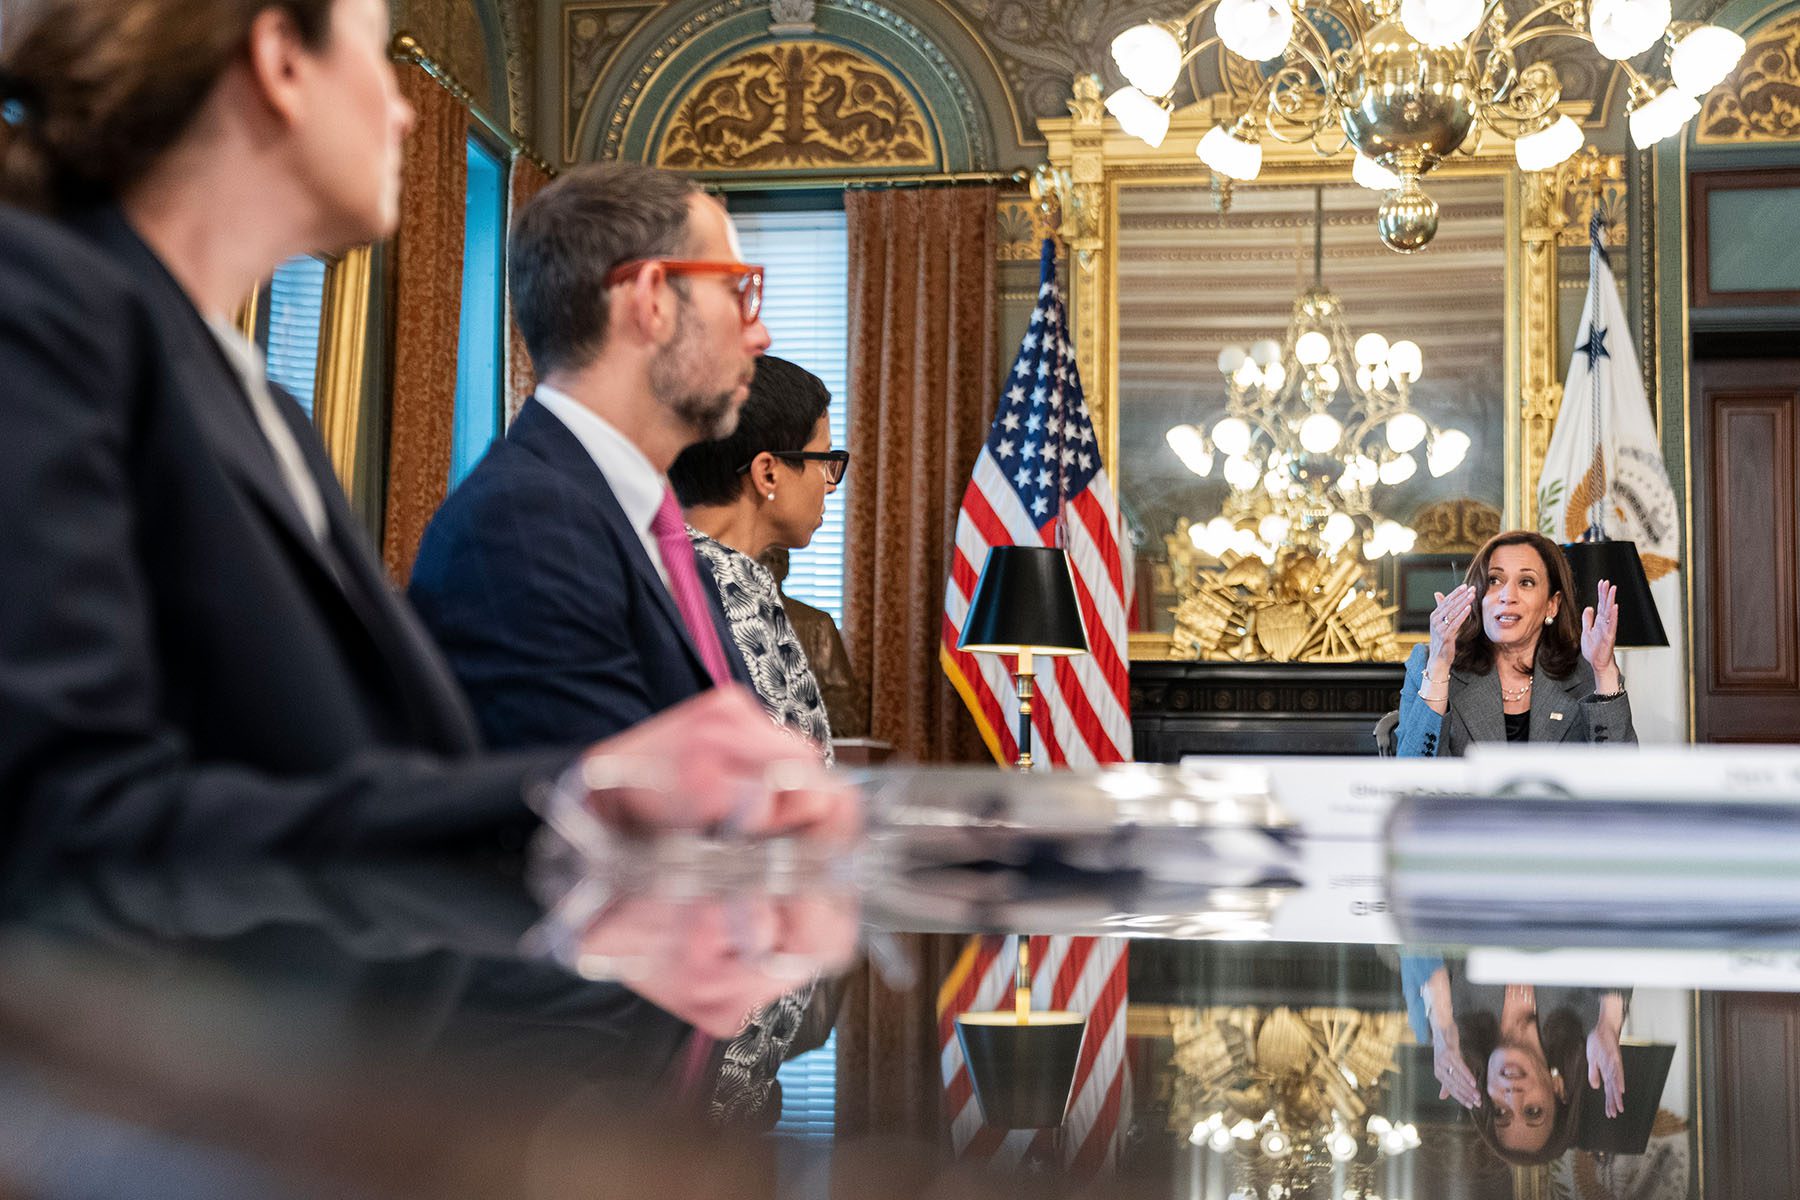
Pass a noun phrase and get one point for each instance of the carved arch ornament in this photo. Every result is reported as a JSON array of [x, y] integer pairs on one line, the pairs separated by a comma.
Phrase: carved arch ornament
[[1760, 101], [863, 88]]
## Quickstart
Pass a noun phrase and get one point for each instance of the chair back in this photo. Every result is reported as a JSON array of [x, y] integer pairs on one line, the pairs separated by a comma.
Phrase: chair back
[[1386, 729]]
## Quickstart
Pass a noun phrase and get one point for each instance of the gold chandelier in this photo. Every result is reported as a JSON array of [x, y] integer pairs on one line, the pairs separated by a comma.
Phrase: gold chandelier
[[1415, 81]]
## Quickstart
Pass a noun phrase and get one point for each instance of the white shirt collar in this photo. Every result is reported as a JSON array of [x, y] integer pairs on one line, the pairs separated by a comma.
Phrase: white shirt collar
[[636, 484]]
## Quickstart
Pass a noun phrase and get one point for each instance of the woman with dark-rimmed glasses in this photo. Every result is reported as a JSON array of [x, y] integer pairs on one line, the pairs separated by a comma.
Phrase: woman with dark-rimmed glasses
[[763, 488]]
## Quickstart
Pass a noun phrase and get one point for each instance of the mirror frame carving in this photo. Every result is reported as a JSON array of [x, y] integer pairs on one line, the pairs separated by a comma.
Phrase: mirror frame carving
[[1090, 159]]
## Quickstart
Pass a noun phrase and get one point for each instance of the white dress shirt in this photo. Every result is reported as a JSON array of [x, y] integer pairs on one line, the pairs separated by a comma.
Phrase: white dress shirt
[[635, 483], [252, 371]]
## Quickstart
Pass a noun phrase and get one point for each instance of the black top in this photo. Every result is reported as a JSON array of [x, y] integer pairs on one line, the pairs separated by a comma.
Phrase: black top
[[1518, 726]]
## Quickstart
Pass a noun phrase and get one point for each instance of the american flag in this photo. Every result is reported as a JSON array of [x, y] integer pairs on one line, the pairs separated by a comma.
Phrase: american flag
[[1039, 482]]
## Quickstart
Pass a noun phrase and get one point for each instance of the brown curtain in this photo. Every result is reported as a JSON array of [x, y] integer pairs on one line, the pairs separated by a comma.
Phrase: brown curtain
[[923, 382], [924, 378], [528, 179], [428, 260]]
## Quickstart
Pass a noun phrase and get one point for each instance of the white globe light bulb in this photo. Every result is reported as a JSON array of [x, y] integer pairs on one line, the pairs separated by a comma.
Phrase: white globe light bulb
[[1371, 349], [1328, 380], [1189, 445], [1338, 529], [1219, 1140], [1241, 473], [1624, 29], [1702, 59], [1149, 56], [1440, 23], [1550, 146], [1404, 431], [1396, 471], [1274, 375], [1265, 351], [1661, 117], [1254, 29], [1230, 359], [1230, 156], [1447, 452], [1231, 436], [1313, 348], [1405, 360], [1342, 1146], [1272, 529], [1319, 433], [1139, 115], [1246, 376]]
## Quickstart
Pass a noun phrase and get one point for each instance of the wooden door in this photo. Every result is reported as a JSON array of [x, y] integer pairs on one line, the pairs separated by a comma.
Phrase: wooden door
[[1746, 455]]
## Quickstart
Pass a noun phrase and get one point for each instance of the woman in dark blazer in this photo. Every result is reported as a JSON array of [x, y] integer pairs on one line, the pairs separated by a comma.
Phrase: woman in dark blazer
[[1523, 670], [198, 649]]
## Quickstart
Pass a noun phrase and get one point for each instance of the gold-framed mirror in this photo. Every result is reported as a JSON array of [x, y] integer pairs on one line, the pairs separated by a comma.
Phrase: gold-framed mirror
[[1145, 227]]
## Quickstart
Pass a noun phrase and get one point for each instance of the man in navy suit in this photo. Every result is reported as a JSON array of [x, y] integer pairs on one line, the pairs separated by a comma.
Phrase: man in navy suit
[[551, 577]]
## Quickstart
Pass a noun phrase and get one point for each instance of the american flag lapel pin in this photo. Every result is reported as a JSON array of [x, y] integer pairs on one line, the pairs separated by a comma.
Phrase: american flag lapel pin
[[1556, 716]]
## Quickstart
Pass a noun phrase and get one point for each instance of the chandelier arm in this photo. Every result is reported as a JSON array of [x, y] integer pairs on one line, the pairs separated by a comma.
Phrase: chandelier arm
[[1195, 51], [1328, 80]]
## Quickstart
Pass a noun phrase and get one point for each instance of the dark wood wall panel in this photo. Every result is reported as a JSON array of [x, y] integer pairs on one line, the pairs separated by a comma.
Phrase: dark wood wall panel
[[1752, 511], [1753, 1128], [1746, 556]]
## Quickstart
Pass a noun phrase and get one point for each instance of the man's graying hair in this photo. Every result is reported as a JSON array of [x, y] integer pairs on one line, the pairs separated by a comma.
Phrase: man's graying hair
[[569, 236]]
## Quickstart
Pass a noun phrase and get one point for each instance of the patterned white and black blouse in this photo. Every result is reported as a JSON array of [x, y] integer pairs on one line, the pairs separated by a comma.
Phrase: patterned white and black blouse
[[759, 625]]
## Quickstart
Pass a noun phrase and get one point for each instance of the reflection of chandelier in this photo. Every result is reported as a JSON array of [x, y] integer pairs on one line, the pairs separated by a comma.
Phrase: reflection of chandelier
[[1288, 1097], [1414, 80], [1311, 428]]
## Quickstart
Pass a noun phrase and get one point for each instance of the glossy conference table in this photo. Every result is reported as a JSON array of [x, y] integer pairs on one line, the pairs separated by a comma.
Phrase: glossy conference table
[[527, 1026]]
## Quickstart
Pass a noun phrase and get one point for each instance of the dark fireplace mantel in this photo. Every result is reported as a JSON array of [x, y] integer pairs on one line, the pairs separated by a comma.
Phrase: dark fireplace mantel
[[1181, 708]]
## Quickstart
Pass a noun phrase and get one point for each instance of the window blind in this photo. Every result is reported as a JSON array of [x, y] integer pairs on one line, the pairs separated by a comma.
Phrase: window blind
[[809, 1092], [806, 256], [296, 310]]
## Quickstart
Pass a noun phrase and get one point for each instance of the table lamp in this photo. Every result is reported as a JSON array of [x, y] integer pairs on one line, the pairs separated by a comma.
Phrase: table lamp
[[1024, 604], [1594, 559]]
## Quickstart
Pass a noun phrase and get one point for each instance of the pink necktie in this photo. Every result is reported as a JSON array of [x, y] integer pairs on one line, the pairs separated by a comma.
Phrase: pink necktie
[[684, 584]]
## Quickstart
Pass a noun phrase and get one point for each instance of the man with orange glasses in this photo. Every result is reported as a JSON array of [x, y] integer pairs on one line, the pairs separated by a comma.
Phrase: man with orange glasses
[[558, 578]]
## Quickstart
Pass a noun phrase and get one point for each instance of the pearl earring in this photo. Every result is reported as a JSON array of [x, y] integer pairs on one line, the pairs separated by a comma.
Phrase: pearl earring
[[1547, 620], [771, 497]]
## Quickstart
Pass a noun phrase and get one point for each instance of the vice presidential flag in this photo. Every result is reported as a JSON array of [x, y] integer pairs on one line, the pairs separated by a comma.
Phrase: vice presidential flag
[[1620, 485]]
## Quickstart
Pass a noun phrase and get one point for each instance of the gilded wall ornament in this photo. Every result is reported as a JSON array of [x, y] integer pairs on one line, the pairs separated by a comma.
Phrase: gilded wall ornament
[[1760, 101], [795, 106], [1300, 608], [1455, 526]]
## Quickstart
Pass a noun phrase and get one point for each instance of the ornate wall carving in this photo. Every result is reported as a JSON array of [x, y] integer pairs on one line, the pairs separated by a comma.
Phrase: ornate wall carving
[[1455, 525], [1039, 47], [592, 37], [1760, 101], [796, 106]]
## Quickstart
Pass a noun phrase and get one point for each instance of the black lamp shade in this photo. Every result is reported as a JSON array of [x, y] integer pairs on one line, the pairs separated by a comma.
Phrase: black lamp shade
[[1590, 562], [1023, 1074], [1024, 600]]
